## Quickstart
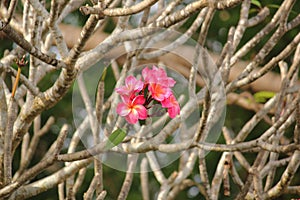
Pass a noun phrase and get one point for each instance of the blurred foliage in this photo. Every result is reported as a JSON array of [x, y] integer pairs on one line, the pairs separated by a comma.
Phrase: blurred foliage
[[263, 96]]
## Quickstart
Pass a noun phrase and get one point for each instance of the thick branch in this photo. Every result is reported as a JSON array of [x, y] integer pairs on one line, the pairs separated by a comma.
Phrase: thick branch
[[19, 39]]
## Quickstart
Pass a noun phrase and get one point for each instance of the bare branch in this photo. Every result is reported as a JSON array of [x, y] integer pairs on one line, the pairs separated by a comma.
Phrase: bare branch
[[114, 12]]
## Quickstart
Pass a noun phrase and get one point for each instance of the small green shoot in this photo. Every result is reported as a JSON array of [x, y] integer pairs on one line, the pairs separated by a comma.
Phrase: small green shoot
[[115, 138], [256, 3], [263, 96]]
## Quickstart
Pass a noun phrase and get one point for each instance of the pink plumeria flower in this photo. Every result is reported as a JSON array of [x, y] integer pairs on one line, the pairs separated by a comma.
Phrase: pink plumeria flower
[[148, 75], [157, 75], [172, 105], [132, 110], [163, 79], [159, 92], [132, 86], [137, 100]]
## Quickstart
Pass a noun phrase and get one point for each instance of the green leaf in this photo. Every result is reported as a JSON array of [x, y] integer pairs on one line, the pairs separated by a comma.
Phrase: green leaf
[[115, 138], [103, 74], [273, 6], [256, 2], [263, 96]]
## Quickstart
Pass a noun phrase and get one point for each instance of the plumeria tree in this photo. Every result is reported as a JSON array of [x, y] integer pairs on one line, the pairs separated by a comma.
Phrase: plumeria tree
[[185, 99]]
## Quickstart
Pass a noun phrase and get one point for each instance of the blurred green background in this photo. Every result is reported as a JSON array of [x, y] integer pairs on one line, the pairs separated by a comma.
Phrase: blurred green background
[[235, 116]]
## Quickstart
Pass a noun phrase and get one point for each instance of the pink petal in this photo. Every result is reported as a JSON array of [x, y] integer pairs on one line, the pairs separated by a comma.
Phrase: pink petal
[[169, 102], [150, 76], [166, 103], [155, 94], [159, 97], [170, 82], [159, 92], [121, 90], [130, 80], [174, 111], [172, 105], [122, 109], [138, 100], [126, 99], [133, 84], [154, 68], [145, 73], [161, 72], [139, 85], [168, 93], [132, 118], [142, 111]]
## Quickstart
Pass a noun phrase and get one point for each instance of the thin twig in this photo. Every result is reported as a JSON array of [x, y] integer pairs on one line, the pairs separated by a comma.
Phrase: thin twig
[[88, 195], [144, 179], [114, 12], [132, 159], [7, 159]]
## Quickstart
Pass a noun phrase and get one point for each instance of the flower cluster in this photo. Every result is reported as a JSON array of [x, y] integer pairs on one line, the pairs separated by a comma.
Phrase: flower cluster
[[138, 96]]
